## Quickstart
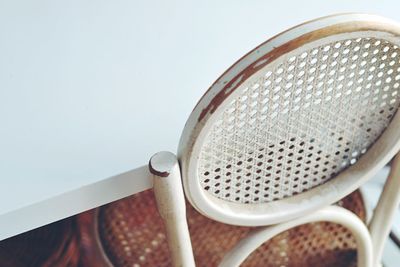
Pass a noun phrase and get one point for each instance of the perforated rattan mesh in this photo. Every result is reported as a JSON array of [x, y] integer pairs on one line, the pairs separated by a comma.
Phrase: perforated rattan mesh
[[296, 125], [133, 235]]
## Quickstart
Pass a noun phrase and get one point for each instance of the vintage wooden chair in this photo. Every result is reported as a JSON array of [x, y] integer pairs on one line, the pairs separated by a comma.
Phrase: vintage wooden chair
[[297, 124]]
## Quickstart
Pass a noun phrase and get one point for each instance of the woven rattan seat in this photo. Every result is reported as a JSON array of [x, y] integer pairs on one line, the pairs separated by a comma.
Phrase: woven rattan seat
[[132, 234]]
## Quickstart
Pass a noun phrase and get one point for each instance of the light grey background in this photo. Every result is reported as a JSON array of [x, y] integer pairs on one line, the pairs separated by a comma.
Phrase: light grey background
[[90, 89]]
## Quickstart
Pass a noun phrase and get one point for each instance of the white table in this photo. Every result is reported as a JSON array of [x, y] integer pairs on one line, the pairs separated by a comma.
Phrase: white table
[[87, 87]]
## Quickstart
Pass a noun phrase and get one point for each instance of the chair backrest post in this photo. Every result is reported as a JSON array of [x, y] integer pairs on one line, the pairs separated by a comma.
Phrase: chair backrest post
[[385, 210], [171, 205]]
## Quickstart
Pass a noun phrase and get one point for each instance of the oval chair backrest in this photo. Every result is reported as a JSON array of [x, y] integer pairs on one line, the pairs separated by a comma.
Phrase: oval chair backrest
[[296, 124]]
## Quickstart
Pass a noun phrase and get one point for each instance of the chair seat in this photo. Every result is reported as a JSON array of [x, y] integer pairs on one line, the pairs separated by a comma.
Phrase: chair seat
[[132, 234]]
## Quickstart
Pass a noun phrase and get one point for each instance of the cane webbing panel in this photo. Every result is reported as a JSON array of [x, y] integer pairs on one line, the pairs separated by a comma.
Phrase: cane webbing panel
[[133, 235], [300, 121]]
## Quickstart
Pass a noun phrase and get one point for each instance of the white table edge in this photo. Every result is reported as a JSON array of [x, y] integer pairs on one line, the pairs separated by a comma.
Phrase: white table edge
[[73, 202]]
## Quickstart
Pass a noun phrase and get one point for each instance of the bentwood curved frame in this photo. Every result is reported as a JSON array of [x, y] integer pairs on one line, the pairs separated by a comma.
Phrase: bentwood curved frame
[[167, 172], [217, 97]]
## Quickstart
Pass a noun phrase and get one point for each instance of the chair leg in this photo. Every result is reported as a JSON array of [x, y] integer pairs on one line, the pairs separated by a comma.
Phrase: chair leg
[[388, 204], [171, 205]]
